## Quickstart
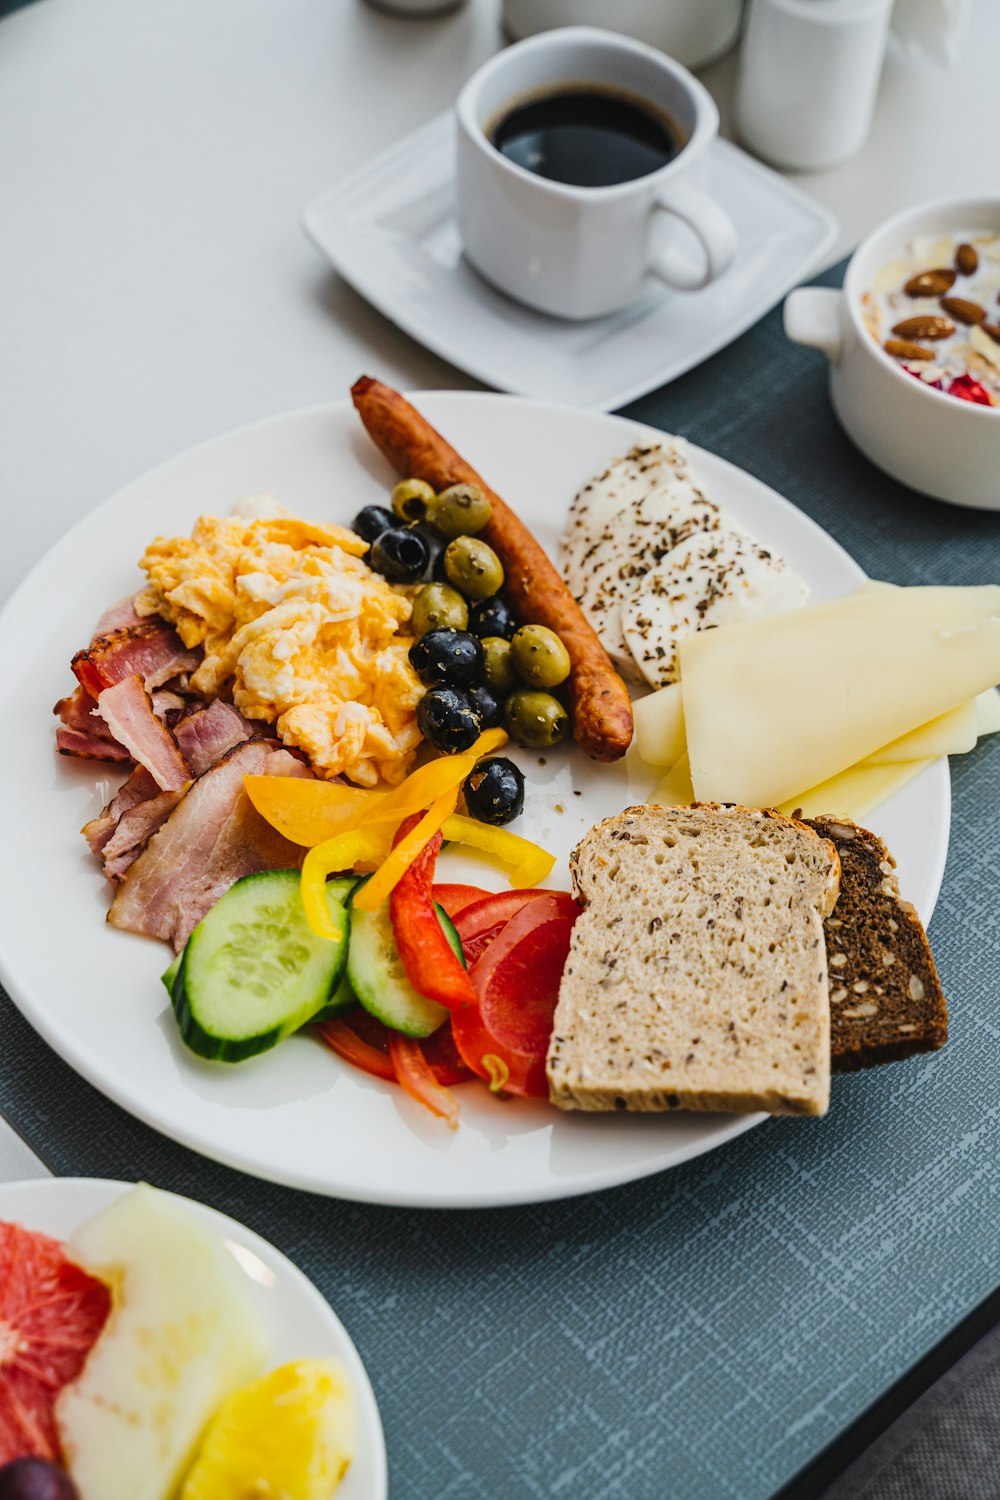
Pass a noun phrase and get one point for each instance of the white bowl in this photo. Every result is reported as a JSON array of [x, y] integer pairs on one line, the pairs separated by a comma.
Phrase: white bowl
[[933, 442]]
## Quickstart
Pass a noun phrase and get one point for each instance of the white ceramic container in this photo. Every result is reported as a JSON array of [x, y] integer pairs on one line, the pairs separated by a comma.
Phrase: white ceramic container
[[933, 442], [808, 77], [583, 252], [692, 31]]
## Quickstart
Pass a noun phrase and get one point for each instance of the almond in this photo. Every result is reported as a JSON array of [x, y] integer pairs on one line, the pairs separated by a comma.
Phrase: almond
[[931, 283], [993, 329], [967, 259], [903, 349], [926, 326], [963, 310]]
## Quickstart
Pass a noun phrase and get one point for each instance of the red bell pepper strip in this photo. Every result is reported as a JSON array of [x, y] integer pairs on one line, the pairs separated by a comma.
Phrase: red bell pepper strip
[[416, 1078], [431, 966], [340, 1036]]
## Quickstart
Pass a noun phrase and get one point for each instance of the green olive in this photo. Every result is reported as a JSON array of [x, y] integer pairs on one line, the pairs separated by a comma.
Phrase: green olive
[[438, 607], [540, 658], [498, 668], [535, 720], [472, 567], [460, 510], [412, 499]]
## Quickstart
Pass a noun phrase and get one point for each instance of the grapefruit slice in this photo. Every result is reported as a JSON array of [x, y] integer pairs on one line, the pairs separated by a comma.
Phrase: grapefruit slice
[[51, 1312]]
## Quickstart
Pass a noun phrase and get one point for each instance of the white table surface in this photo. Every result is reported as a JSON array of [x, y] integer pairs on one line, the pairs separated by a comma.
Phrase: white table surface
[[155, 286]]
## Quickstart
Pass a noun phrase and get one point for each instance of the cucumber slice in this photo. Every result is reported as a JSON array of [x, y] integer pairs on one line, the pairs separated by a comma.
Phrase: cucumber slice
[[376, 974], [169, 975], [254, 971], [343, 997]]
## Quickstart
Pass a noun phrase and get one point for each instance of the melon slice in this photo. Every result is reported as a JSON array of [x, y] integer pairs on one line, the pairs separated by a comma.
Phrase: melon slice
[[183, 1335], [51, 1313]]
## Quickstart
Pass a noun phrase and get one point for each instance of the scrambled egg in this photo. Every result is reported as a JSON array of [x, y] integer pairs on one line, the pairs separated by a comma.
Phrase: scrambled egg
[[299, 629]]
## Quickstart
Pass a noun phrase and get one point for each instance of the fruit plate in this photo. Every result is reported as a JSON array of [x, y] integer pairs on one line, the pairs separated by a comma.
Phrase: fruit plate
[[297, 1115], [299, 1322]]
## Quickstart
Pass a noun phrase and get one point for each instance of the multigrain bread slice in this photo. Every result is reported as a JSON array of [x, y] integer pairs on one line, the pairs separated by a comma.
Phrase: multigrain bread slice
[[696, 976], [885, 996]]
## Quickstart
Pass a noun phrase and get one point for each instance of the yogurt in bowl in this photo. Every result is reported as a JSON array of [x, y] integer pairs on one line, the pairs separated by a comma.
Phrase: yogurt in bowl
[[935, 309], [927, 408]]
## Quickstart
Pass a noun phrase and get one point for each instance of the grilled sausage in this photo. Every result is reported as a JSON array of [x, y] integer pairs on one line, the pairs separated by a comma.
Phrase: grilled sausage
[[599, 700]]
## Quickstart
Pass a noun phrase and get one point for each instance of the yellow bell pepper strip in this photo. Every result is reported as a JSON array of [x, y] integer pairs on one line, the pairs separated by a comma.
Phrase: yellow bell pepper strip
[[344, 852], [394, 867], [530, 863], [310, 812]]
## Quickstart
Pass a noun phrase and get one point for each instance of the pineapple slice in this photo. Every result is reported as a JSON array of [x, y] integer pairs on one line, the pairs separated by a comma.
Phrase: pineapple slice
[[182, 1335], [289, 1434]]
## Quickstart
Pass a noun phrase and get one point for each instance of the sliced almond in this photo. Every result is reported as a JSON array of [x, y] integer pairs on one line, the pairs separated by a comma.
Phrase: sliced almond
[[993, 329], [925, 327], [903, 349], [962, 310], [967, 259], [931, 283], [985, 343]]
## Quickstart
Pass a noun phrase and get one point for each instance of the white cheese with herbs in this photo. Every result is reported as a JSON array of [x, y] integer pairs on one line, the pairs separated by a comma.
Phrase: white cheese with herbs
[[713, 578]]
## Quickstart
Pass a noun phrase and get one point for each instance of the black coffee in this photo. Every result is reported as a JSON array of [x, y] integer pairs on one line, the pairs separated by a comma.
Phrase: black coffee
[[588, 137]]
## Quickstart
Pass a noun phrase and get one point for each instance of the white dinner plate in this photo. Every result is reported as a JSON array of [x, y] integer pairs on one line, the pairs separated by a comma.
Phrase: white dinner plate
[[297, 1115], [389, 229], [299, 1322]]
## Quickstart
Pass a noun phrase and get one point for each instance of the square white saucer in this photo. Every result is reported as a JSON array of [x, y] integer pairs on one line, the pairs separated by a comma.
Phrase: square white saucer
[[389, 230]]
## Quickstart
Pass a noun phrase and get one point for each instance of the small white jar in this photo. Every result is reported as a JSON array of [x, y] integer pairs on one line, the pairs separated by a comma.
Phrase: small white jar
[[935, 443], [808, 78]]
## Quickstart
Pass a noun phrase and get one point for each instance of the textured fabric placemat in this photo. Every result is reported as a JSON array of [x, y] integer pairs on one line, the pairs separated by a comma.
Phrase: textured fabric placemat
[[702, 1334]]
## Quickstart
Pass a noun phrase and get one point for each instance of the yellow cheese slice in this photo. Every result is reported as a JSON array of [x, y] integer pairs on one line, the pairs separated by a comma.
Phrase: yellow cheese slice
[[659, 726], [773, 703], [675, 789], [855, 791], [953, 733], [988, 712]]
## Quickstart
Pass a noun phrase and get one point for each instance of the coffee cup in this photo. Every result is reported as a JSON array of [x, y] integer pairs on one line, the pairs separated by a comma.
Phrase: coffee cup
[[582, 250]]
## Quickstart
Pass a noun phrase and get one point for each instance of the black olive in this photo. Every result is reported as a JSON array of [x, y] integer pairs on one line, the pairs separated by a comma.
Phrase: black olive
[[447, 720], [453, 658], [492, 616], [400, 554], [372, 521], [494, 790], [487, 705], [35, 1479]]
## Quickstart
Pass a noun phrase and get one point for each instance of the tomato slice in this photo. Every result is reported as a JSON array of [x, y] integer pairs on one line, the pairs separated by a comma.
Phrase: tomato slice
[[442, 1054], [416, 1078], [504, 1039], [480, 924], [363, 1041], [455, 898]]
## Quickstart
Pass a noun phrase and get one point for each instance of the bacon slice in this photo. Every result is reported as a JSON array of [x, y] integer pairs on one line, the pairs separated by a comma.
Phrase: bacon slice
[[151, 651], [205, 736], [127, 709], [118, 616], [86, 746], [211, 839], [138, 787], [84, 733], [135, 828], [599, 700]]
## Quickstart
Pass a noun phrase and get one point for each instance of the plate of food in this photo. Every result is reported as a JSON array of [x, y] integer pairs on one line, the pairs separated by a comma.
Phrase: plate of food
[[351, 741], [155, 1349]]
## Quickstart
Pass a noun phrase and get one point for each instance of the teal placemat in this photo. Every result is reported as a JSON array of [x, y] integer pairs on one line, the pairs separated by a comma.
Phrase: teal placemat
[[703, 1334]]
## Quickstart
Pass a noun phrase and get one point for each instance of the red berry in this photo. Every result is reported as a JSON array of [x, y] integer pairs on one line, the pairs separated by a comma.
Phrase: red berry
[[968, 389]]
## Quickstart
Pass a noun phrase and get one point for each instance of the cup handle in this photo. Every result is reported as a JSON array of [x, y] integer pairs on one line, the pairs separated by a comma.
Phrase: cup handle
[[712, 227], [812, 317]]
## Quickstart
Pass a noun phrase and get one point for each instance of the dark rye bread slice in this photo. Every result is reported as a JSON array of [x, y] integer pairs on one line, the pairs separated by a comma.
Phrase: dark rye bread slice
[[885, 996]]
